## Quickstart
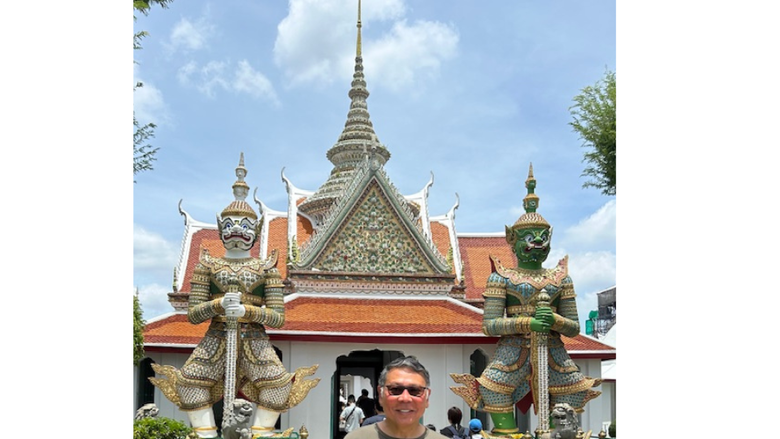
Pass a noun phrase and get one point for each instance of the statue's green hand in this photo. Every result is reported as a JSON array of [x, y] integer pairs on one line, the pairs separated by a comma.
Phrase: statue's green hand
[[545, 314], [539, 325]]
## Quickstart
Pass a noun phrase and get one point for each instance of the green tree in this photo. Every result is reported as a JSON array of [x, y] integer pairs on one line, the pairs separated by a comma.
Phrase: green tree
[[143, 152], [160, 428], [595, 120], [144, 6], [138, 330]]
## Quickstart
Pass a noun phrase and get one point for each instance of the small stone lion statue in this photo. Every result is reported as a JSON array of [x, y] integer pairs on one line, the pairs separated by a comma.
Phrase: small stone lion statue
[[238, 425], [565, 423], [147, 411]]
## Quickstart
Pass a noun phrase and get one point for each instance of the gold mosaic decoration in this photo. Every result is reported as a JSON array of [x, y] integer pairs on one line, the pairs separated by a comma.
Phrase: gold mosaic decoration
[[166, 385], [536, 278], [469, 391], [373, 239], [301, 386]]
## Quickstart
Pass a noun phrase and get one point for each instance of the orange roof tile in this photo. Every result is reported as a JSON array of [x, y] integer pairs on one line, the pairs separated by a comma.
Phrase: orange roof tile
[[353, 316], [440, 235], [380, 316], [277, 240], [348, 317], [476, 252], [174, 329]]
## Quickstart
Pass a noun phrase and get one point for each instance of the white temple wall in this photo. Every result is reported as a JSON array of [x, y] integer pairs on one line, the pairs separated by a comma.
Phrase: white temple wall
[[594, 413], [440, 359]]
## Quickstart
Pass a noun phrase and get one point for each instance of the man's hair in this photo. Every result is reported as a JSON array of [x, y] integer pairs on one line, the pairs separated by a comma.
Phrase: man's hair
[[364, 392], [351, 398], [408, 362], [454, 415]]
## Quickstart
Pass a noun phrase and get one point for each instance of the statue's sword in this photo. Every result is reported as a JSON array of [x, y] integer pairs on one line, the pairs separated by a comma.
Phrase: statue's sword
[[541, 372], [231, 327]]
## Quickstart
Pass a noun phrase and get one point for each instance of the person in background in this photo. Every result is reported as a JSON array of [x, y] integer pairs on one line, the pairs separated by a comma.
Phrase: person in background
[[378, 417], [475, 427], [352, 415], [454, 416], [342, 424], [366, 403], [342, 398], [404, 391]]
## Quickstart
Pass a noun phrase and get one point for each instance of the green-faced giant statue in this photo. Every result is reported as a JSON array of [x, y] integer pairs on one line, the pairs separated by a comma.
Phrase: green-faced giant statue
[[512, 313]]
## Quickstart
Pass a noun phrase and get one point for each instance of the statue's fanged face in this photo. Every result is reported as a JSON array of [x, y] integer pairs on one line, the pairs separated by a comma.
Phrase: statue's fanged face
[[532, 244], [237, 232]]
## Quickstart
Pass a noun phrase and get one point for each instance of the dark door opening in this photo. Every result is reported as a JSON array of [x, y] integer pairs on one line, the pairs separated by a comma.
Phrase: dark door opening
[[365, 364]]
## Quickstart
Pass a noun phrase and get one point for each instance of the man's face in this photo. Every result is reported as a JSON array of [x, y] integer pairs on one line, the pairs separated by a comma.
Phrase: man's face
[[403, 410]]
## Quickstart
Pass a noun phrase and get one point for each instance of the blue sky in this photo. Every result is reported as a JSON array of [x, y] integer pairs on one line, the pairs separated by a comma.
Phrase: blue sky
[[698, 114], [471, 92]]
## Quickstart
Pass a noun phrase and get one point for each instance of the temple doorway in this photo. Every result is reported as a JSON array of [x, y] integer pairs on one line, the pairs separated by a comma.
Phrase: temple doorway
[[354, 372]]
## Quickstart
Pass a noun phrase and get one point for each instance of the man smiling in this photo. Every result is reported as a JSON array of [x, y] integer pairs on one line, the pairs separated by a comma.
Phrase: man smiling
[[404, 390]]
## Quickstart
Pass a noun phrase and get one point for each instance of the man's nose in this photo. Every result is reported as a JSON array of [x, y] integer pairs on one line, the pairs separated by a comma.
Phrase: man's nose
[[405, 394]]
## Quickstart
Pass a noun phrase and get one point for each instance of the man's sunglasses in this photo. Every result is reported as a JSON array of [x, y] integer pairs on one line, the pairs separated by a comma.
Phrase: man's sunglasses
[[415, 391]]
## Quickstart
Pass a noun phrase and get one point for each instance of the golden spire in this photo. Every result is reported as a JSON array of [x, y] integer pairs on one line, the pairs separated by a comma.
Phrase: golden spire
[[358, 26], [350, 150]]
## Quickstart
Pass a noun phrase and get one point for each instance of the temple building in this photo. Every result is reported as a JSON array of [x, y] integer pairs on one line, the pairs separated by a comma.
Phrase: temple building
[[370, 274]]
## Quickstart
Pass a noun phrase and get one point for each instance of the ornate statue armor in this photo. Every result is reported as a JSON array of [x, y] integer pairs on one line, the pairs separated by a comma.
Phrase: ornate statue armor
[[258, 374], [262, 378], [510, 375], [514, 311]]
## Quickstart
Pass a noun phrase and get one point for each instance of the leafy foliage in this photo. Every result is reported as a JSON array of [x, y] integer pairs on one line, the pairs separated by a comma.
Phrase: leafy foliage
[[160, 428], [612, 429], [143, 7], [595, 120], [138, 330], [143, 153]]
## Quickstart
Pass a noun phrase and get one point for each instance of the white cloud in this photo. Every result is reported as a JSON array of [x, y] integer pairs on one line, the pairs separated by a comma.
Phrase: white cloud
[[595, 231], [154, 300], [220, 75], [253, 82], [590, 245], [212, 76], [595, 270], [310, 45], [410, 53], [189, 36], [153, 256], [185, 71], [591, 272], [154, 259], [148, 102]]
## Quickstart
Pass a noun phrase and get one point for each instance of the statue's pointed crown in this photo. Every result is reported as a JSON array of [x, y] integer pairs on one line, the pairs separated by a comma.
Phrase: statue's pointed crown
[[240, 207], [530, 203]]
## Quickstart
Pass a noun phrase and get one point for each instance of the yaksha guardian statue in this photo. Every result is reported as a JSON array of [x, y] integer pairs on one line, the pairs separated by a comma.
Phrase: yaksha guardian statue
[[512, 313], [250, 290]]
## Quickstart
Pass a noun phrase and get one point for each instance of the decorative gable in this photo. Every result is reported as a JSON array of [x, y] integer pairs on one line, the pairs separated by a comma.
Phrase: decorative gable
[[369, 242], [373, 239]]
